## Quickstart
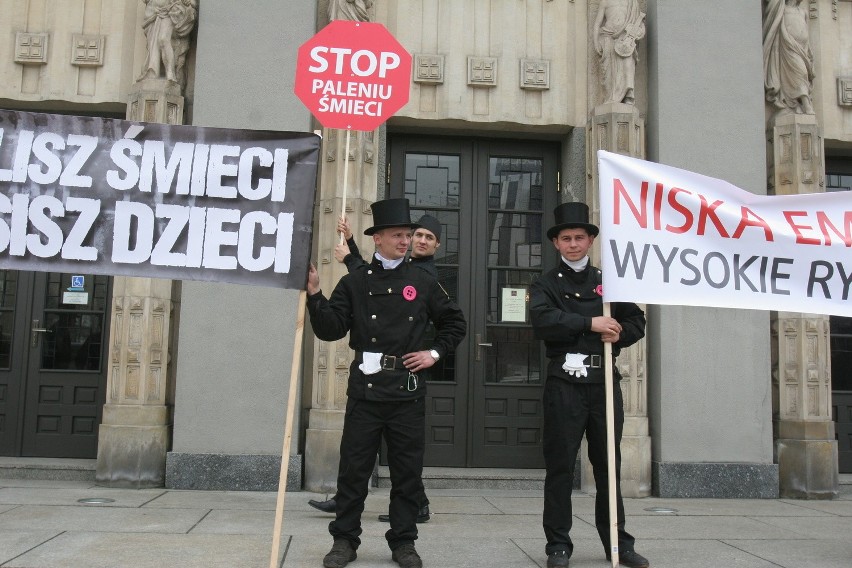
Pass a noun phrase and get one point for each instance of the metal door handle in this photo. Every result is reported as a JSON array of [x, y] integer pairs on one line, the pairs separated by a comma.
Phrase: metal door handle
[[479, 346], [35, 331]]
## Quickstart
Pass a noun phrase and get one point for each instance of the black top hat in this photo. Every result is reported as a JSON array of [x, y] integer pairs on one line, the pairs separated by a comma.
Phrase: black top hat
[[430, 224], [571, 216], [390, 213]]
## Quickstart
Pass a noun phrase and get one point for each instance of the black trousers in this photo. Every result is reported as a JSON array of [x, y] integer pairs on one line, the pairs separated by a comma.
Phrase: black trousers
[[421, 497], [571, 409], [403, 424]]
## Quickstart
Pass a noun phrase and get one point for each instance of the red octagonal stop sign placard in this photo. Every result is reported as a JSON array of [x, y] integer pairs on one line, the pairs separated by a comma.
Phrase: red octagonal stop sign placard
[[353, 75]]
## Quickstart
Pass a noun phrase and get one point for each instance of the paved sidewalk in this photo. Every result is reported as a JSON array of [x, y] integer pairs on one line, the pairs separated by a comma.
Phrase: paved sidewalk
[[44, 524]]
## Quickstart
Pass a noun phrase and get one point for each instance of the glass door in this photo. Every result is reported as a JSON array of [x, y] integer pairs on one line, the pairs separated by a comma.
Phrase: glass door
[[512, 194], [15, 288], [483, 401], [65, 383], [435, 176]]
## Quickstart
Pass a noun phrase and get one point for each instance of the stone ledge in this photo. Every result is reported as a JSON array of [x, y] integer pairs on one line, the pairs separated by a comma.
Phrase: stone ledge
[[62, 469], [225, 472], [715, 480], [478, 478]]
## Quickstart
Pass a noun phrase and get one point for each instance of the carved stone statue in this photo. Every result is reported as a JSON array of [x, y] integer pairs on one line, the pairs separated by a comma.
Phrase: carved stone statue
[[788, 64], [618, 26], [357, 10], [167, 25]]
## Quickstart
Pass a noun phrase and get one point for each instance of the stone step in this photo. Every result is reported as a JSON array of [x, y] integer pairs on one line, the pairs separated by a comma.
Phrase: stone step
[[473, 478], [65, 469]]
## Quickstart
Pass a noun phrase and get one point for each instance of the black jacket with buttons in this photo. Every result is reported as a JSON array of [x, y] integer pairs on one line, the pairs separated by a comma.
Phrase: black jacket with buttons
[[387, 311], [562, 305]]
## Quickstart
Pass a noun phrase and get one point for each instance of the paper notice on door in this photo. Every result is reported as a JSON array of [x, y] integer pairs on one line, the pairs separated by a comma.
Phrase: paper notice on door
[[77, 298], [513, 305]]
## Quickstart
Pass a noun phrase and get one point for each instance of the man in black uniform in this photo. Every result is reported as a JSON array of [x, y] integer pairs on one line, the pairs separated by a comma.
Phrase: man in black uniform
[[566, 310], [424, 244], [385, 306]]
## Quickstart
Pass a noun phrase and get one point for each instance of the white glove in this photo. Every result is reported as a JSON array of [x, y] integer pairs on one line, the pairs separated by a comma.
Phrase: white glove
[[574, 365], [372, 363]]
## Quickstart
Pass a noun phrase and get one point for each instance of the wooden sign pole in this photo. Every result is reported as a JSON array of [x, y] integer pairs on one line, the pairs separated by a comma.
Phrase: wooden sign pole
[[288, 428], [610, 447], [345, 182]]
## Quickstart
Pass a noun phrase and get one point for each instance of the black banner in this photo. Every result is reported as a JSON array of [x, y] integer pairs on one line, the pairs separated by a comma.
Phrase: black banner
[[103, 196]]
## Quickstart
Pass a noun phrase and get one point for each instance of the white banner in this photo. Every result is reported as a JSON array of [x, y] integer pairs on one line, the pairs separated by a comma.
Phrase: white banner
[[669, 236]]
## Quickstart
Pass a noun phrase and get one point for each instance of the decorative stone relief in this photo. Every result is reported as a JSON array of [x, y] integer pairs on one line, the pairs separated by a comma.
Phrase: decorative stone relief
[[331, 145], [323, 394], [87, 50], [368, 147], [323, 389], [172, 113], [341, 383], [800, 374], [341, 355], [31, 48], [428, 69], [535, 74], [482, 71], [153, 388], [844, 91]]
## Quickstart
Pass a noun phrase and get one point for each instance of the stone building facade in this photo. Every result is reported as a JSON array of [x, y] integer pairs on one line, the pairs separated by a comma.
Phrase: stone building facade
[[509, 101]]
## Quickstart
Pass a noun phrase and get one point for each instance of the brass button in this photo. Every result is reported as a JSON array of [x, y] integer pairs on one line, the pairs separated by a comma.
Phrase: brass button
[[577, 294]]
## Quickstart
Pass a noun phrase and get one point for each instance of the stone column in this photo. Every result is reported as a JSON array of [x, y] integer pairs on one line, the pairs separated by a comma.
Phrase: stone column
[[330, 365], [136, 430], [805, 446], [618, 127], [709, 400]]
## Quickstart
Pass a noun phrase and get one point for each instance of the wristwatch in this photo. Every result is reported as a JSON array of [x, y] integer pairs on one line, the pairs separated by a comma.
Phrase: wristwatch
[[435, 355]]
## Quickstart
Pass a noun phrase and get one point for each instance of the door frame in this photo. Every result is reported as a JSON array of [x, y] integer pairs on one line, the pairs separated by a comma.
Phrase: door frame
[[14, 378], [522, 401], [25, 375], [469, 389], [446, 401]]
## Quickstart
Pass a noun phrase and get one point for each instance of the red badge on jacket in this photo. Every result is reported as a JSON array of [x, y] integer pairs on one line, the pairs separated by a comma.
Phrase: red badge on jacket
[[409, 293]]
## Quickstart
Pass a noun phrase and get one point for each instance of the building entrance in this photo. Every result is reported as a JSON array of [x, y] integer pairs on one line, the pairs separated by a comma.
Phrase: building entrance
[[53, 335], [839, 178], [492, 198]]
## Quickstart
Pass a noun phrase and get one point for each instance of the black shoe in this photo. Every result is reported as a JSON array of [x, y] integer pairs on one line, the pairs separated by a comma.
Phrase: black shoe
[[557, 559], [406, 556], [631, 559], [325, 506], [340, 555], [423, 515]]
